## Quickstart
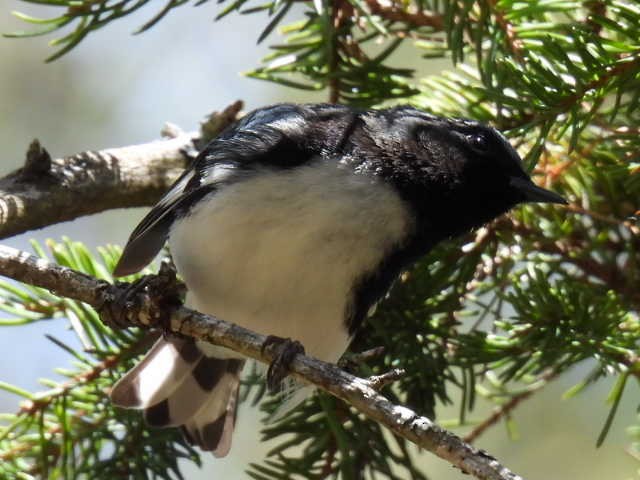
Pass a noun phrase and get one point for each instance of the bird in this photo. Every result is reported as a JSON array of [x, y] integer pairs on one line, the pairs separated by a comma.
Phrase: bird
[[294, 222]]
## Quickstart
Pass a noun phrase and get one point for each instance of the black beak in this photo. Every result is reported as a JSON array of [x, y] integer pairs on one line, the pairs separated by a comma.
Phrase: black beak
[[534, 193]]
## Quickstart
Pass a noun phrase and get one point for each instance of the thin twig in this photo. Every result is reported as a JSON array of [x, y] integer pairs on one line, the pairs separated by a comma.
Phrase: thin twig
[[397, 13], [341, 13], [514, 44], [506, 409], [364, 357], [356, 391], [633, 228], [378, 382], [569, 248]]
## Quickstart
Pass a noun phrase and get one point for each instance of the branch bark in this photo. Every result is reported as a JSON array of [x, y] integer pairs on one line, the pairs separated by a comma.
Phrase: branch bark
[[356, 391], [46, 191]]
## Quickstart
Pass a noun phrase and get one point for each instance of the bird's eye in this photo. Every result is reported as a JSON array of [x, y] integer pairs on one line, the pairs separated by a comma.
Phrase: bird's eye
[[478, 142]]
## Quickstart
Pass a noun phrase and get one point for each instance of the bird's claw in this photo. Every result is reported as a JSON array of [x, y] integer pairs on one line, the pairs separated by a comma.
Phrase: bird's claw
[[123, 299], [148, 300], [285, 351]]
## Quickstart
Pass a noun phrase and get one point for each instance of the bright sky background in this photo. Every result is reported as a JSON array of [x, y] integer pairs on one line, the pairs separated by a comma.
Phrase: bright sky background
[[115, 89]]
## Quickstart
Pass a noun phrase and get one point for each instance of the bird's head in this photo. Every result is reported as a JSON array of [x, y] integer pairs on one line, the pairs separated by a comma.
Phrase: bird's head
[[456, 174]]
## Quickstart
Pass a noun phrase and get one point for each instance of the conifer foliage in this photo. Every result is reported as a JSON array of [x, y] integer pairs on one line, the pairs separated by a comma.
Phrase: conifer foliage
[[498, 313]]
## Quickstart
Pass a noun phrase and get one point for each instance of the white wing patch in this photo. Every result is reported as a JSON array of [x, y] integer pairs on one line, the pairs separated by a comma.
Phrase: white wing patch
[[291, 124], [218, 173]]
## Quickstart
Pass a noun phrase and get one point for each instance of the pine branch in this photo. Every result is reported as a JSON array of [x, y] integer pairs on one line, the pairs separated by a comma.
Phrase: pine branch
[[71, 429], [356, 391], [514, 44], [86, 16], [505, 410], [569, 248], [47, 191], [396, 12], [37, 406]]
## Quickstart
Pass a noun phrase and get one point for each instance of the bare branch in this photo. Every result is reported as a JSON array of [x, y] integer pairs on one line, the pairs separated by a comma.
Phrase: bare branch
[[356, 391], [361, 357], [47, 191]]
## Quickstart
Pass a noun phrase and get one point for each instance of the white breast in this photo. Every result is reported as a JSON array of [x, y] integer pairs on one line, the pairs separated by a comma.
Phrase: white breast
[[279, 252]]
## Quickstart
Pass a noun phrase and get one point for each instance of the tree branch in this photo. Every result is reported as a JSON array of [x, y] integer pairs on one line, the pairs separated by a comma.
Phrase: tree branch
[[356, 391], [505, 410], [514, 44], [47, 191], [396, 12]]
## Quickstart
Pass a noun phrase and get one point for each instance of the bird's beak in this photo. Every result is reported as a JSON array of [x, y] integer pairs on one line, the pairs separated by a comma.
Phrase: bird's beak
[[534, 193]]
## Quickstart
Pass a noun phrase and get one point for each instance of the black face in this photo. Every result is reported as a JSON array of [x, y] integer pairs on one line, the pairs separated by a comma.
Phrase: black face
[[457, 174]]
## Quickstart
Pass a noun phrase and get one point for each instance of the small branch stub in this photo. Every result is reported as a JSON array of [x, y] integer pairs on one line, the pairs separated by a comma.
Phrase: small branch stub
[[378, 382], [37, 165], [216, 122]]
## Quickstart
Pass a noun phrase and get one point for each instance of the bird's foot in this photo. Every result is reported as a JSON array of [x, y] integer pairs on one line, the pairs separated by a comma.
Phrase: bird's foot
[[121, 301], [147, 301], [285, 351]]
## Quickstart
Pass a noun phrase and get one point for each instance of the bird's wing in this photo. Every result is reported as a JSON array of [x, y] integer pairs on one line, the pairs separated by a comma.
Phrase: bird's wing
[[272, 136]]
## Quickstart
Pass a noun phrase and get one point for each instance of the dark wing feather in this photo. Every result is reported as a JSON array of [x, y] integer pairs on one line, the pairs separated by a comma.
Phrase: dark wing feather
[[272, 136], [151, 233]]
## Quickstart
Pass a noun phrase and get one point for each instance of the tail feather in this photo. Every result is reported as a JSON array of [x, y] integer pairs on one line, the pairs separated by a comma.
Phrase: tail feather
[[211, 428], [176, 384], [207, 386], [158, 374]]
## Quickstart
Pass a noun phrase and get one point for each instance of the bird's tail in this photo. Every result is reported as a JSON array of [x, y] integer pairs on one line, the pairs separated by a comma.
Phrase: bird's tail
[[181, 383]]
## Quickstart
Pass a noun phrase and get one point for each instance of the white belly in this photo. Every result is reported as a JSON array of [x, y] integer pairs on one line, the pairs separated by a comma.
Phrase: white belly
[[279, 252]]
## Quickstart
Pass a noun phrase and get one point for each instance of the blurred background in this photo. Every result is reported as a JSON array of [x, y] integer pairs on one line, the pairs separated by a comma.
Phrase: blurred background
[[116, 89]]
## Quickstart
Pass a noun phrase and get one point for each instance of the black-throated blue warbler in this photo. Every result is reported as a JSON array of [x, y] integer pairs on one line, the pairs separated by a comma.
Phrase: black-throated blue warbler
[[294, 222]]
